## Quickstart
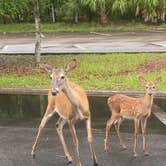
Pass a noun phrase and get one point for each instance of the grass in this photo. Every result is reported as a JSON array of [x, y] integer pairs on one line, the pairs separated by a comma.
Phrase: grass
[[82, 27], [108, 71]]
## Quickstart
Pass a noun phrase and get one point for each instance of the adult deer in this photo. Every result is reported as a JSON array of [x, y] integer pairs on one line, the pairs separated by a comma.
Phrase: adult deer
[[138, 109], [70, 101]]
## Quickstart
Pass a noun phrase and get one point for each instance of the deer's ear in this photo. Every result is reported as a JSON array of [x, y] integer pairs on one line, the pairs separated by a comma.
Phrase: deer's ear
[[71, 65], [142, 80], [46, 67], [158, 79]]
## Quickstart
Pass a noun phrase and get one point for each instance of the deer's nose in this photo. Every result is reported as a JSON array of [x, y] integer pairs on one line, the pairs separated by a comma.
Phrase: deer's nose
[[55, 92]]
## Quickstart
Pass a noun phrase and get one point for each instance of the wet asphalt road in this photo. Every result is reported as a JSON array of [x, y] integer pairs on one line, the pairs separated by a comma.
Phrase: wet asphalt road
[[105, 42], [16, 147]]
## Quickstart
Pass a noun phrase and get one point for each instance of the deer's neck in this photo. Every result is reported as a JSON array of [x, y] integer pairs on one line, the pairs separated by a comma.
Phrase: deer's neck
[[71, 94], [74, 98], [148, 99]]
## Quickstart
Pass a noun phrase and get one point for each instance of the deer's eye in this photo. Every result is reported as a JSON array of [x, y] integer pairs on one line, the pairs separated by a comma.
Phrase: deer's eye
[[62, 77], [146, 87], [153, 87]]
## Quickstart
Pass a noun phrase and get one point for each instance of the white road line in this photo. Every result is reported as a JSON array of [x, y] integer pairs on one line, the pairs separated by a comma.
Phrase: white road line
[[78, 46], [103, 34], [159, 44], [5, 47]]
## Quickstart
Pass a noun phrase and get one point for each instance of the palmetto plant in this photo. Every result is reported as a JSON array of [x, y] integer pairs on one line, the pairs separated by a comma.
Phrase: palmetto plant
[[120, 6], [162, 10], [151, 10], [101, 7]]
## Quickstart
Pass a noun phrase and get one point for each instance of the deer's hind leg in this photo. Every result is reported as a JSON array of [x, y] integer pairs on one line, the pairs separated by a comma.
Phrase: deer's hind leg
[[143, 126], [75, 141], [117, 127], [109, 123], [90, 140]]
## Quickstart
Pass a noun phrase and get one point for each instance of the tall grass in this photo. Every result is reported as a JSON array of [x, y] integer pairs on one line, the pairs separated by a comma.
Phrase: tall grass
[[82, 27]]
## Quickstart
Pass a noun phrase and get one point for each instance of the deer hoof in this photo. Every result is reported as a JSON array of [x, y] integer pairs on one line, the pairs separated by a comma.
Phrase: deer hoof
[[33, 155], [69, 162], [124, 147], [106, 150], [95, 164], [146, 154], [135, 155]]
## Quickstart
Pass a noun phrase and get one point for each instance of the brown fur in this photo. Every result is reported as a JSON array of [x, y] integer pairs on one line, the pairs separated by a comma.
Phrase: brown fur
[[138, 109], [70, 101]]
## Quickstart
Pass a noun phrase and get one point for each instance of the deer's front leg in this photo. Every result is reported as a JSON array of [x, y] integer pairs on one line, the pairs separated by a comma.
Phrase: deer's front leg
[[143, 126], [136, 132], [59, 127], [48, 114]]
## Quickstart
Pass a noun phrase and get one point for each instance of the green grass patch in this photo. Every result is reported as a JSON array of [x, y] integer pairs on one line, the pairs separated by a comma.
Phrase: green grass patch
[[115, 71], [24, 81], [82, 27]]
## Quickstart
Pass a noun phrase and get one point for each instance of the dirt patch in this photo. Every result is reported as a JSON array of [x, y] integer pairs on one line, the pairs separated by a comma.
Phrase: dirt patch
[[18, 66], [22, 65], [155, 65]]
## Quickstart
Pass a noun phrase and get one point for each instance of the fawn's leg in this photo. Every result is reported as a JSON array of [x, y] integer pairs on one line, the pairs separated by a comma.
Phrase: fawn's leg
[[117, 127], [143, 126], [136, 132], [108, 126]]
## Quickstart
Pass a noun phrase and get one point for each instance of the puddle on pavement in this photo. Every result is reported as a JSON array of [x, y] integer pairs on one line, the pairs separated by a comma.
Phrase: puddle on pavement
[[26, 111]]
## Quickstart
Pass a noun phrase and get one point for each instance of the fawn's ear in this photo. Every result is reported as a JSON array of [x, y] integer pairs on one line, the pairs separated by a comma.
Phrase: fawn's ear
[[158, 79], [71, 65], [46, 67], [142, 80]]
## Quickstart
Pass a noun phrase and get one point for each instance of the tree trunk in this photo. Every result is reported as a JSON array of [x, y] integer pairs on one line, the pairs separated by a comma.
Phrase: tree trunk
[[103, 16], [163, 16], [76, 17], [53, 12], [37, 30]]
